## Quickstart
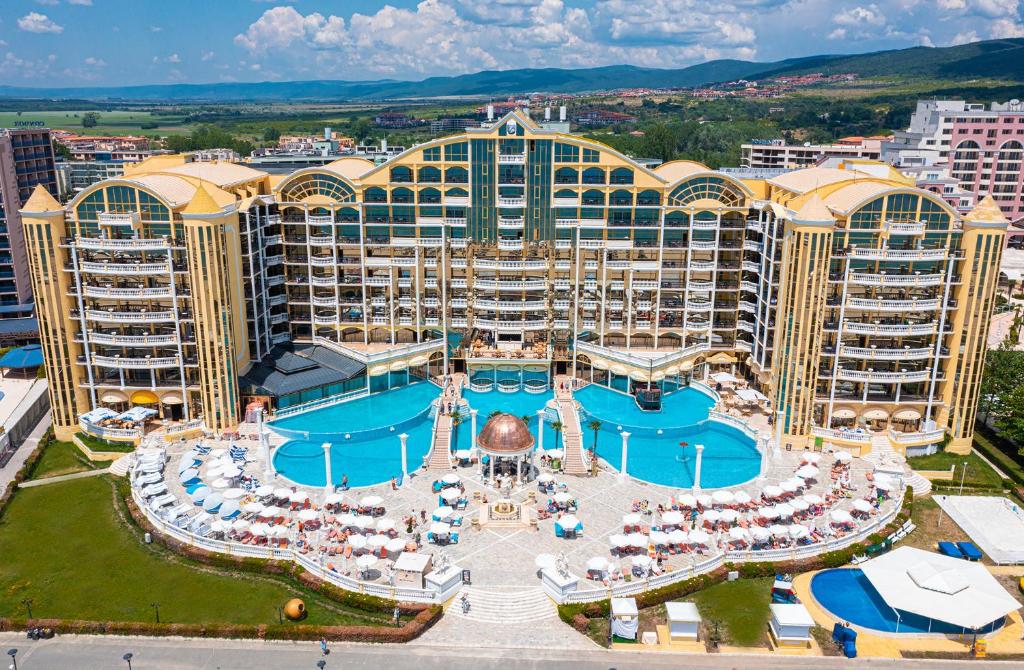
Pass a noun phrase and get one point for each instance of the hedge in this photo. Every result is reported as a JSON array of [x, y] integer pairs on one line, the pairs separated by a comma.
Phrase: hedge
[[831, 559], [97, 444], [1000, 451]]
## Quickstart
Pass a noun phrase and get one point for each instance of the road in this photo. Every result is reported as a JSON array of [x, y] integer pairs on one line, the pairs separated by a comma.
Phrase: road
[[106, 653]]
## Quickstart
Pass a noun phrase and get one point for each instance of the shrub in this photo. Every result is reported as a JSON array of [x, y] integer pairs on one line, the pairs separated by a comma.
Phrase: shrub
[[581, 623]]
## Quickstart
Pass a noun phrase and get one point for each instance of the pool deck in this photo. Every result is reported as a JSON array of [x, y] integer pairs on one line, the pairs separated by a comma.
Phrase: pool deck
[[876, 644]]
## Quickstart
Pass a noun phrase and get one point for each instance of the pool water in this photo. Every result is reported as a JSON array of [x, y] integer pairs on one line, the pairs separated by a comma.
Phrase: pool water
[[655, 454], [848, 595], [363, 434], [518, 404]]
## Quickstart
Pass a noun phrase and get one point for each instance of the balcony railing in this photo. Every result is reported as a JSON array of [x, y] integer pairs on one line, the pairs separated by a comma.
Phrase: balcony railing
[[841, 435], [874, 353], [133, 340], [510, 326], [115, 434], [133, 317], [886, 254], [910, 439], [127, 293], [135, 363], [882, 305], [868, 279], [124, 268], [122, 243], [875, 377], [861, 328]]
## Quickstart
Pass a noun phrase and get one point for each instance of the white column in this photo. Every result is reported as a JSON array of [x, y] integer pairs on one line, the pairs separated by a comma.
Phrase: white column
[[404, 437], [472, 428], [625, 454], [779, 418], [519, 470], [328, 486], [264, 437], [762, 469], [493, 458], [696, 470], [540, 430]]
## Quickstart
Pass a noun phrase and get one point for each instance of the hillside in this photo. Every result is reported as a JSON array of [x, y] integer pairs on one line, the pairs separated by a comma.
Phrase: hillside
[[993, 59]]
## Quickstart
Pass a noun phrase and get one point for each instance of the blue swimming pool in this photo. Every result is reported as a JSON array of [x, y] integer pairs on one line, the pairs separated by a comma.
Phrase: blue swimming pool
[[363, 434], [655, 454], [848, 595], [519, 404]]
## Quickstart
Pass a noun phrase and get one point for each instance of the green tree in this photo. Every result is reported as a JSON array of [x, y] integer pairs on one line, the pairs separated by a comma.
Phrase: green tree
[[1004, 374], [360, 129], [271, 134], [557, 426], [660, 141], [1010, 423], [90, 120], [595, 426]]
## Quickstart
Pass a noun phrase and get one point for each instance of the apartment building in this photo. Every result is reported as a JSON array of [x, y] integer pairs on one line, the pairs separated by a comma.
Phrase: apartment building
[[777, 154], [847, 295]]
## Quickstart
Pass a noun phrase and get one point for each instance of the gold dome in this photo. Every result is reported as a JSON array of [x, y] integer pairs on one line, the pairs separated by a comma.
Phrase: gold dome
[[505, 434], [295, 609]]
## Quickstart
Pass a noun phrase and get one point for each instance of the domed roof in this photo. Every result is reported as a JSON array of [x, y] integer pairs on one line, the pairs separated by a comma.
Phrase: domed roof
[[505, 434]]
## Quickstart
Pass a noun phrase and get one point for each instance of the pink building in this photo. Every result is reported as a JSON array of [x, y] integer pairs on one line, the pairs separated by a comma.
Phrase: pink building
[[987, 148]]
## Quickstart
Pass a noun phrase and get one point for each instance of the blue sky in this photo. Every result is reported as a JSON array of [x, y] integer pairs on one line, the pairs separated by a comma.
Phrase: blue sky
[[97, 42]]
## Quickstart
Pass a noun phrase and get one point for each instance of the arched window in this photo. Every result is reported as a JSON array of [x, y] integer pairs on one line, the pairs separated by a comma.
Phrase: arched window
[[593, 175], [567, 175], [706, 188], [648, 198], [593, 198], [375, 194], [622, 175], [430, 196], [430, 175], [677, 219], [456, 175], [620, 198], [317, 183], [1008, 164], [402, 195], [457, 193], [401, 174], [965, 162]]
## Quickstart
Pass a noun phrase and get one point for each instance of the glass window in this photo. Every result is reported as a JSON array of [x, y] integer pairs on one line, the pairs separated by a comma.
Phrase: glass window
[[456, 151], [591, 156], [432, 154], [317, 183], [566, 153]]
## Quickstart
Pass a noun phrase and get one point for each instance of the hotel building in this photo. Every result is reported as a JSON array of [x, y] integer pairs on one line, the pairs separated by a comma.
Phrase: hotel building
[[846, 295]]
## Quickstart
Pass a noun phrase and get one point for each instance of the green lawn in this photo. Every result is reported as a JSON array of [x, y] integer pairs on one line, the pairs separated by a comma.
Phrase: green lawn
[[61, 458], [740, 607], [64, 546], [979, 473], [115, 122]]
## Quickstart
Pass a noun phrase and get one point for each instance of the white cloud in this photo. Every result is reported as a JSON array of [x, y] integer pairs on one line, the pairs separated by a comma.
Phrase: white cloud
[[155, 29], [965, 37], [837, 34], [173, 58], [48, 3], [83, 3], [34, 22], [860, 16], [1004, 28], [95, 62], [207, 56]]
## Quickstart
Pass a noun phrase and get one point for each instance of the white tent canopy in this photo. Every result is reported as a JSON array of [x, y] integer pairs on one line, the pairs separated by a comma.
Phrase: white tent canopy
[[724, 378], [938, 587]]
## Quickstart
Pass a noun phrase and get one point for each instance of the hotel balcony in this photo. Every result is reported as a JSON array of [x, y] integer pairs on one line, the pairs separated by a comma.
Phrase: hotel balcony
[[271, 240], [510, 326], [511, 201], [117, 219], [510, 305], [491, 264], [117, 244], [751, 245], [566, 223], [525, 284], [565, 202], [702, 266], [456, 221], [321, 240], [885, 254], [882, 305], [511, 222], [323, 281], [459, 322], [882, 354], [842, 437], [320, 219], [321, 261], [133, 340], [875, 377], [112, 434], [127, 293], [459, 242], [916, 439], [127, 268], [459, 303], [319, 301], [511, 159], [905, 228], [131, 317], [430, 282], [459, 282], [378, 281], [897, 329], [565, 284], [703, 245], [135, 363], [867, 279], [274, 260]]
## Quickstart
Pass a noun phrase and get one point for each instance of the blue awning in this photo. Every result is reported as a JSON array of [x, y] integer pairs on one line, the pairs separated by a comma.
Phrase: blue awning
[[29, 356], [99, 414]]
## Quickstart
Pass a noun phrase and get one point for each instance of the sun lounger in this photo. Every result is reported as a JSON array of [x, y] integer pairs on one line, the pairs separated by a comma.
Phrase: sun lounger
[[177, 511], [950, 549], [162, 501], [971, 552]]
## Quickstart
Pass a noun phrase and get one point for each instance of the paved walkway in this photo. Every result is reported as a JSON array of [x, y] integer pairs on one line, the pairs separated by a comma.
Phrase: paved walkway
[[27, 447], [62, 478]]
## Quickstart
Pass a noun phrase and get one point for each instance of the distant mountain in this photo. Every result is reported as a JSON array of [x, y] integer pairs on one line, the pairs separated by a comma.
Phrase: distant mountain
[[995, 59]]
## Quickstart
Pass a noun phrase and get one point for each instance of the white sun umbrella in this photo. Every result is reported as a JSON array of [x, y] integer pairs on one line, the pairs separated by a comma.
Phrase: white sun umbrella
[[217, 453], [811, 457], [298, 497], [282, 493], [737, 533], [308, 514], [346, 519], [861, 505], [370, 501], [785, 510], [722, 497], [630, 519], [213, 470], [264, 490], [843, 456], [220, 526], [253, 507], [395, 545], [212, 502], [366, 561], [807, 472], [768, 512], [759, 534], [772, 491], [230, 472], [333, 498], [798, 531], [543, 561], [840, 516], [440, 528], [451, 478], [712, 516], [270, 511], [451, 495], [688, 500], [280, 531], [813, 498], [799, 504], [363, 521], [742, 497], [357, 541], [672, 517], [729, 515], [637, 540], [883, 484], [704, 500], [187, 461], [677, 536], [443, 512], [554, 453], [659, 538], [544, 478], [463, 454], [778, 530], [568, 522], [618, 540], [239, 525], [259, 529], [233, 494], [642, 561], [597, 564], [562, 497], [697, 537], [228, 508], [188, 475], [377, 541], [220, 483], [790, 486], [385, 524]]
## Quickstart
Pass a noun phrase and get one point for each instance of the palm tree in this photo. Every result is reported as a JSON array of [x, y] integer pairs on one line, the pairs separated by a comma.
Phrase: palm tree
[[457, 419], [595, 426], [526, 419], [495, 413], [557, 427]]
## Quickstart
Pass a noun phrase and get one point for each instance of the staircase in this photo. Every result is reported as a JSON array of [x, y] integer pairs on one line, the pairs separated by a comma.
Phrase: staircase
[[575, 461], [122, 465], [883, 456], [503, 606], [441, 444]]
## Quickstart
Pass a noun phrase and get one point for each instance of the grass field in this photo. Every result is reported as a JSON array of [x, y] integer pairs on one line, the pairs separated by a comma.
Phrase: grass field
[[61, 458], [64, 546], [979, 473], [740, 608], [116, 122]]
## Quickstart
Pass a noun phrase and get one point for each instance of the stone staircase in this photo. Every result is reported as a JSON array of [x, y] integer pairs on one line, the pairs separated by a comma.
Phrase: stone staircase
[[884, 456], [504, 606], [121, 466], [441, 445], [575, 461]]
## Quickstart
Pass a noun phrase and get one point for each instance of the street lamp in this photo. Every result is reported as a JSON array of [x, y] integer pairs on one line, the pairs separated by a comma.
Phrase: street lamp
[[128, 659], [13, 653], [156, 608], [963, 475], [27, 602]]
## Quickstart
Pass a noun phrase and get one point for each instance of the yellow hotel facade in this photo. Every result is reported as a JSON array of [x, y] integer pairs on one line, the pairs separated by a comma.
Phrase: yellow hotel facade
[[847, 296]]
